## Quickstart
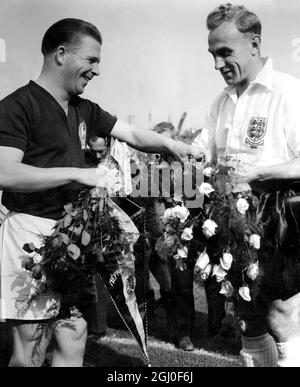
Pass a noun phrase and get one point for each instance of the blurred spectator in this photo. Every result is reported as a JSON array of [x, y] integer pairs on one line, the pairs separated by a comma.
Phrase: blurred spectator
[[98, 149], [97, 312], [165, 128], [176, 287]]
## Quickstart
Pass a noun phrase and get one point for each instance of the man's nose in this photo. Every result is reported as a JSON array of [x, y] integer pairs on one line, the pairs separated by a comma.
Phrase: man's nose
[[95, 69], [219, 63]]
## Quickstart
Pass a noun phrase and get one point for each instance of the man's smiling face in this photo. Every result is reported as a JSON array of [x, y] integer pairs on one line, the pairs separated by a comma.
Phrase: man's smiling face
[[232, 52], [81, 65]]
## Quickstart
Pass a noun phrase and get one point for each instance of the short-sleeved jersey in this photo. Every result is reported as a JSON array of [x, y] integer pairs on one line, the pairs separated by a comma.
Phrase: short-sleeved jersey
[[33, 121], [261, 126]]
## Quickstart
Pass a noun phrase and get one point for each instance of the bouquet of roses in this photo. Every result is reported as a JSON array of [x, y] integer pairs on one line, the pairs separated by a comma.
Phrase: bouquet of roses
[[88, 233], [230, 231], [177, 236]]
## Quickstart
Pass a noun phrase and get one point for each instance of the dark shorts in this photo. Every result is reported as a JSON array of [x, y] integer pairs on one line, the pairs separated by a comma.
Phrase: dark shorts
[[280, 245]]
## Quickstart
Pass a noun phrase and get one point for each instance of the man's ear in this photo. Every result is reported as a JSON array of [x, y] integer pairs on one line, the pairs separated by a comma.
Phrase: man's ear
[[255, 44], [60, 54]]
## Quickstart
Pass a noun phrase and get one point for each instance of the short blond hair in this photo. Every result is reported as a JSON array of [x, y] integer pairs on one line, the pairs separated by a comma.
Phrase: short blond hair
[[245, 20]]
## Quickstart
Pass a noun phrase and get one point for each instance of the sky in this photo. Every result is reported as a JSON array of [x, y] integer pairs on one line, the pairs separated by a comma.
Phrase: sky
[[155, 65]]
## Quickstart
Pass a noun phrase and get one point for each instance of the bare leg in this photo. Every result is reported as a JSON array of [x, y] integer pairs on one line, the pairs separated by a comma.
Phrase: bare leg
[[259, 348], [284, 318], [284, 324], [29, 343], [71, 336]]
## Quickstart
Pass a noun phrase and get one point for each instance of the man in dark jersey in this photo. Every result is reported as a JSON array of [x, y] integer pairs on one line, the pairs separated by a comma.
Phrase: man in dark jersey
[[43, 131]]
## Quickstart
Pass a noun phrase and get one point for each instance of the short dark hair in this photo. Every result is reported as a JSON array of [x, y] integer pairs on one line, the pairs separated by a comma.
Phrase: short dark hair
[[245, 20], [68, 31], [164, 126]]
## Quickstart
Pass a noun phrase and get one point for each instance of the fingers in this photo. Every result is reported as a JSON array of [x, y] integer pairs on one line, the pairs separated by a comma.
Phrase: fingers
[[179, 156], [182, 152], [197, 153]]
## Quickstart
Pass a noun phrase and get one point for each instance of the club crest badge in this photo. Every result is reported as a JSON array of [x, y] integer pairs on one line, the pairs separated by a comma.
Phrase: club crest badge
[[82, 135], [256, 131]]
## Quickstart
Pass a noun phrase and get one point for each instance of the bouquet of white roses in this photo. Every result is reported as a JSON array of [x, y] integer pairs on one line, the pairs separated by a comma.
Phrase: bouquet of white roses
[[230, 231]]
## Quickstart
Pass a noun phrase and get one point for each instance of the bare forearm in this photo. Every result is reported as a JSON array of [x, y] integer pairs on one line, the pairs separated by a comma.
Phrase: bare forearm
[[144, 140], [151, 142], [21, 177], [285, 171]]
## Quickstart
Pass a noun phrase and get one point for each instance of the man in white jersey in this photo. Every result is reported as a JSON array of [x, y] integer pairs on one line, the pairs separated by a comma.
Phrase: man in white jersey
[[3, 210], [255, 123]]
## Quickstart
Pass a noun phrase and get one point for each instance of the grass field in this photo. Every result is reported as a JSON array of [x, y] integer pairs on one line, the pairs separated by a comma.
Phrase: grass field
[[119, 349]]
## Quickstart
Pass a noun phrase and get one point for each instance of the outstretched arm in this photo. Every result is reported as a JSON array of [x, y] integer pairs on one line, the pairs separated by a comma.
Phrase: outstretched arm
[[152, 142]]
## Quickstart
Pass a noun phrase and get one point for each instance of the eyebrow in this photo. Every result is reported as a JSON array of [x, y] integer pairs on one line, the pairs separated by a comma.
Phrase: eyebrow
[[220, 50], [93, 59]]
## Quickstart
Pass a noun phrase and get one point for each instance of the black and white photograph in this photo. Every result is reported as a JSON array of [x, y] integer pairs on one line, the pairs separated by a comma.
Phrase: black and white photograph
[[149, 186]]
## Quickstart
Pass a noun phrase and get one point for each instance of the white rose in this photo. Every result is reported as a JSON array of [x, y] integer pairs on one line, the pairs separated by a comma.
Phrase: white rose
[[254, 241], [244, 292], [187, 234], [209, 228], [242, 205], [227, 289], [226, 261], [207, 171], [182, 252], [181, 212], [37, 258], [219, 272], [206, 272], [202, 261], [115, 213], [253, 271], [205, 189], [167, 216]]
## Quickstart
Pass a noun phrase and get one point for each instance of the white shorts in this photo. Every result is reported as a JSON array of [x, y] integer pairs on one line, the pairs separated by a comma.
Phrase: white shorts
[[16, 284]]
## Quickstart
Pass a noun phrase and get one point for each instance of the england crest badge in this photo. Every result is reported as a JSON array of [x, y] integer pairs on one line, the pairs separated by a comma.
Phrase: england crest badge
[[82, 135], [256, 131]]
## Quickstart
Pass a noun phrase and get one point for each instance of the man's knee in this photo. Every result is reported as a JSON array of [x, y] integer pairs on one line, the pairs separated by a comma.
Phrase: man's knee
[[29, 344], [283, 319], [71, 335]]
